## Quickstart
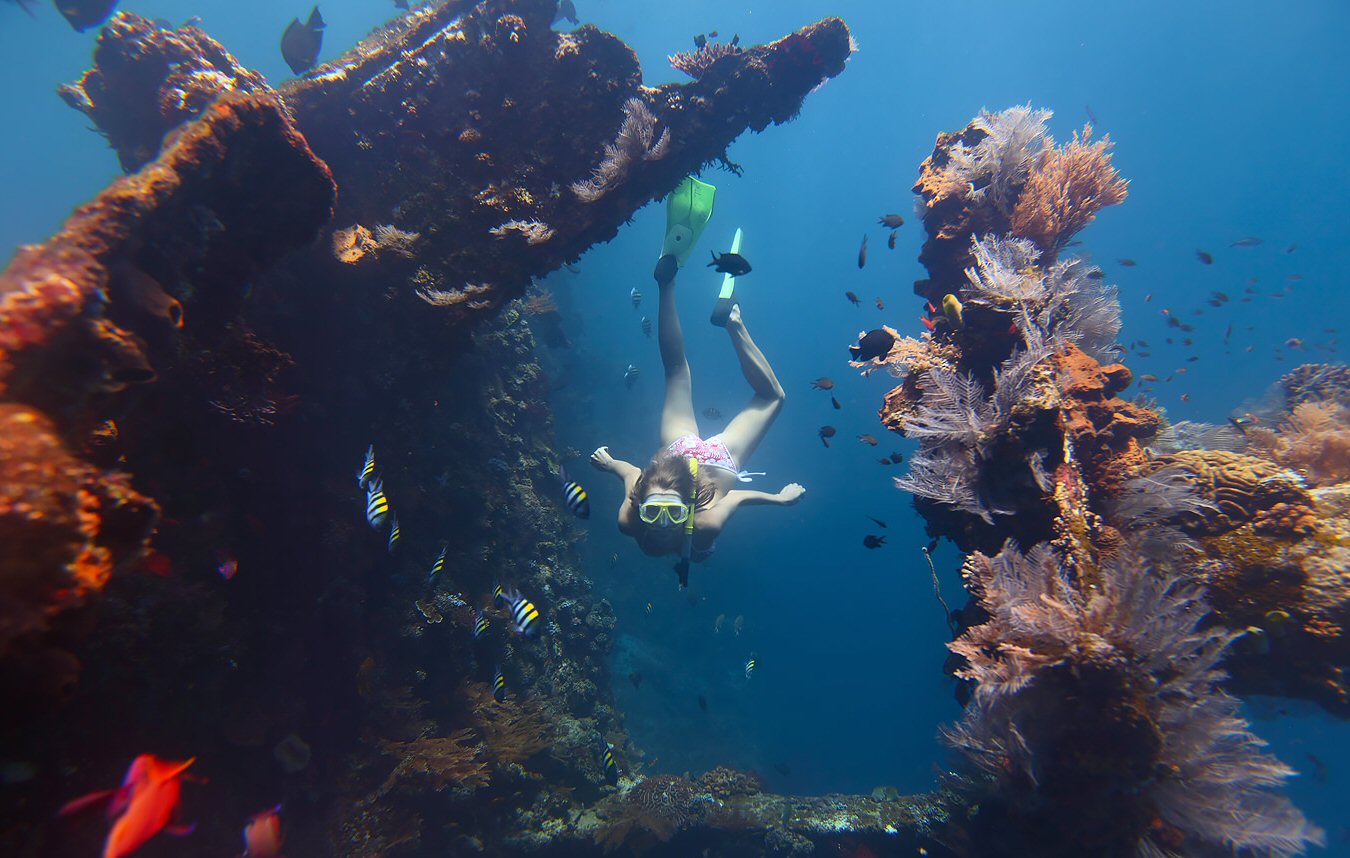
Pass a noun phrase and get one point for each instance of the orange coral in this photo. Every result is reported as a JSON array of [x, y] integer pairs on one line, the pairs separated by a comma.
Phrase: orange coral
[[1065, 190], [513, 731], [350, 245], [450, 761]]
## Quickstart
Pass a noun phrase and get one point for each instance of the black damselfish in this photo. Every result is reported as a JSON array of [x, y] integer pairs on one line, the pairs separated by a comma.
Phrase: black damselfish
[[874, 344], [730, 263], [301, 42]]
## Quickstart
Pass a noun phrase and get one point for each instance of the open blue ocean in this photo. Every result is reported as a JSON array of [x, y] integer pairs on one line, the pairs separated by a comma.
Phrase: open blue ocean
[[1229, 121]]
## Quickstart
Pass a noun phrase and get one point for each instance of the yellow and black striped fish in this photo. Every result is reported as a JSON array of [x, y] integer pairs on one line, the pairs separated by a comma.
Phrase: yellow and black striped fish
[[611, 767], [524, 614], [377, 505], [437, 565], [575, 497], [395, 533], [480, 624], [750, 666], [367, 473], [499, 686], [499, 595]]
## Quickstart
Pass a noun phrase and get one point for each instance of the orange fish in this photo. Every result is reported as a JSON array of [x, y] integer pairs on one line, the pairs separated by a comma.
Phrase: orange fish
[[142, 806], [262, 834]]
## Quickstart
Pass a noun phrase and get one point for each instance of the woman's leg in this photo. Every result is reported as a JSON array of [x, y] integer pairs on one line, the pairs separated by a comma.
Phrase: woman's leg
[[747, 429], [677, 415]]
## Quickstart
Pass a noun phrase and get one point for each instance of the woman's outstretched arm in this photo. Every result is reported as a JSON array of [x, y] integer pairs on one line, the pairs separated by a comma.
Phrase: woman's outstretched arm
[[629, 473], [717, 517]]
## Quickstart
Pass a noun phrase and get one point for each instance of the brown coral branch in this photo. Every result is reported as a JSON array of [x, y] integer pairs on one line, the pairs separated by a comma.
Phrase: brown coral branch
[[1065, 190], [456, 760]]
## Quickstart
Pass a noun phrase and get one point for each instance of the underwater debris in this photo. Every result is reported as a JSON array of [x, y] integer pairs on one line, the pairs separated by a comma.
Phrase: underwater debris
[[1065, 190], [1151, 753], [636, 141], [698, 62]]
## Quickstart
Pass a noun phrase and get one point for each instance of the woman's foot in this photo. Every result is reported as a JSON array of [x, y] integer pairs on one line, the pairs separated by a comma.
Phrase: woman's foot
[[734, 318]]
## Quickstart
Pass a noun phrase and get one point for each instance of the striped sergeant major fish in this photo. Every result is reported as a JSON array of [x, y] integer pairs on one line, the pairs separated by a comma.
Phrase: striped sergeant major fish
[[395, 532], [524, 615], [499, 595], [438, 565], [575, 497], [480, 624], [499, 686], [750, 666], [367, 473], [377, 504], [611, 767]]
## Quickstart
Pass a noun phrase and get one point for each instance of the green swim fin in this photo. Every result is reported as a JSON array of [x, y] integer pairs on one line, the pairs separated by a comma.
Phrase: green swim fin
[[688, 209], [726, 298]]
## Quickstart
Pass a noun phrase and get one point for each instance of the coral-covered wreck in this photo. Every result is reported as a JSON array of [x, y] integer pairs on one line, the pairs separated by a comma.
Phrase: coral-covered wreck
[[1115, 570], [192, 367]]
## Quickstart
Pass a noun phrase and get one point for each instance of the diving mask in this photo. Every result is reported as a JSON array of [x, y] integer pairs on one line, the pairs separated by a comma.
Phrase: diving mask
[[663, 509]]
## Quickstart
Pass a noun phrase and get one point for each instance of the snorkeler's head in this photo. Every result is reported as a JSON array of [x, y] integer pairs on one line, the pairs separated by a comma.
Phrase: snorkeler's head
[[661, 500]]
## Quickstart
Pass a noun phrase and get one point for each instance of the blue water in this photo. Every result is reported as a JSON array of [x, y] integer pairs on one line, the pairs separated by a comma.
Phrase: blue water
[[1229, 120]]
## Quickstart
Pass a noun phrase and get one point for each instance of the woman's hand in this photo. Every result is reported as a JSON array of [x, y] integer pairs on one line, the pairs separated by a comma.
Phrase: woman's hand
[[791, 493], [602, 460]]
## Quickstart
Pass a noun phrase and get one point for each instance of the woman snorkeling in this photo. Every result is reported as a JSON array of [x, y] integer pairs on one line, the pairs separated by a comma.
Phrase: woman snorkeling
[[680, 502]]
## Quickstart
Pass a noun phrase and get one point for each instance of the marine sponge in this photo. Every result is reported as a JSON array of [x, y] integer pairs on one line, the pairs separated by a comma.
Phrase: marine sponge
[[1065, 190], [1097, 724]]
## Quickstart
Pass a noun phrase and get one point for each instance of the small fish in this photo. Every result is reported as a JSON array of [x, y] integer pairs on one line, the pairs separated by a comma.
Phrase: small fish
[[1095, 274], [700, 41], [954, 311], [869, 440], [646, 326], [872, 345], [523, 612], [826, 433], [1240, 424], [703, 703], [712, 413], [739, 625], [611, 767], [874, 541], [1092, 117], [1148, 376], [262, 834], [897, 458], [891, 221], [630, 376], [395, 532], [636, 297], [301, 42], [499, 686], [718, 623], [835, 403], [575, 496], [822, 383], [1205, 258], [377, 504], [567, 11], [1249, 241], [931, 546], [480, 624], [227, 565], [878, 522], [1185, 397], [367, 472], [890, 241], [750, 666], [862, 252], [730, 263], [1293, 343], [141, 807], [1128, 263], [635, 678], [83, 14], [437, 565], [649, 608], [1291, 248], [852, 298]]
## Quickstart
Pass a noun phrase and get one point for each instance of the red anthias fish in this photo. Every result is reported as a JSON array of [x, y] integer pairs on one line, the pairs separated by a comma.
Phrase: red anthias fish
[[262, 834], [142, 806]]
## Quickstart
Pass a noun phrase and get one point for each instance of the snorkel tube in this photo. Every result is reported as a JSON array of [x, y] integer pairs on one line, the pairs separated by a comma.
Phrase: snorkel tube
[[687, 551]]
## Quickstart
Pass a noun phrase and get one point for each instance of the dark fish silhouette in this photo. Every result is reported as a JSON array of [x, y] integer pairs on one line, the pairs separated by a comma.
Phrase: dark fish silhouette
[[853, 299], [1249, 241], [862, 252], [730, 263], [874, 344], [826, 433], [1204, 257], [897, 458], [712, 413], [1092, 117], [567, 11], [822, 383], [877, 521], [301, 42], [636, 679], [874, 541], [83, 14], [890, 241], [835, 403], [702, 703], [1128, 263], [891, 221], [783, 769], [700, 41]]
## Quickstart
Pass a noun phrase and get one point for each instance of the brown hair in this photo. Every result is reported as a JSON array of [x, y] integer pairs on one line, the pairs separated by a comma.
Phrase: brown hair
[[669, 469]]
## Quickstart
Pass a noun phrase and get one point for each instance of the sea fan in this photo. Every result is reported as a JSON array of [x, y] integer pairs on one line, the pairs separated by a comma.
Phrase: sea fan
[[1165, 496], [947, 475], [1006, 270], [1066, 190], [1058, 662], [955, 410], [996, 168]]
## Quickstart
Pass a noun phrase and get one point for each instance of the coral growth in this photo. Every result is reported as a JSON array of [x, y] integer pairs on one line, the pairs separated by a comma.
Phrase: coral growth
[[993, 170], [724, 782], [1065, 190], [698, 62], [1313, 381], [533, 231], [1235, 489], [513, 731], [356, 242], [456, 761], [636, 142], [1314, 441], [1097, 724], [653, 810]]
